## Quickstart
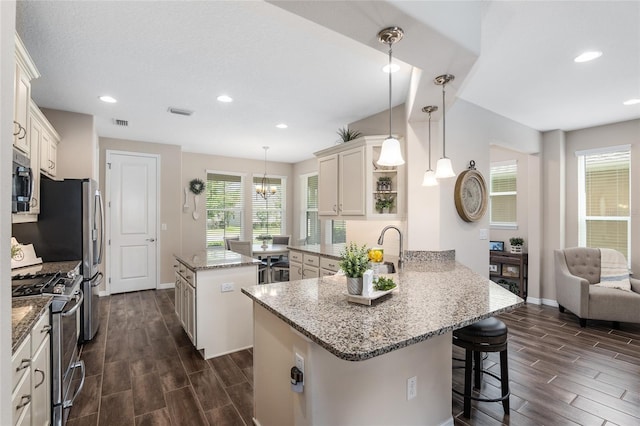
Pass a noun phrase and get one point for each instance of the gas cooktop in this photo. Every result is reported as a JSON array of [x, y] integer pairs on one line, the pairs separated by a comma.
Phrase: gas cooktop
[[35, 284]]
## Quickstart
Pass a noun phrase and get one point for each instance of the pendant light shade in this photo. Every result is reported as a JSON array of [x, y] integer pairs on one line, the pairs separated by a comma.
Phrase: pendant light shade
[[429, 178], [444, 169], [391, 153]]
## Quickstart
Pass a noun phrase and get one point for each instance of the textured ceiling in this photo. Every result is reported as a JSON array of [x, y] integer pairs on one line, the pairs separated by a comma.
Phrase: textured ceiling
[[316, 65]]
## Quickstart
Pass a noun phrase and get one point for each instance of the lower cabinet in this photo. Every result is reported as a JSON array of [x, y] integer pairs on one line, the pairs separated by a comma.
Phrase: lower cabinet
[[31, 366], [307, 265], [213, 312]]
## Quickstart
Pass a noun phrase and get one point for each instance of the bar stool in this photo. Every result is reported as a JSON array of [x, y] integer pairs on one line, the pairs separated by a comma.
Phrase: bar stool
[[487, 335]]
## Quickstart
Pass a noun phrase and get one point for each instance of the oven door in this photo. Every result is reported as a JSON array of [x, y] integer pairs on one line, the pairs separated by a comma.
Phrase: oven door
[[22, 188]]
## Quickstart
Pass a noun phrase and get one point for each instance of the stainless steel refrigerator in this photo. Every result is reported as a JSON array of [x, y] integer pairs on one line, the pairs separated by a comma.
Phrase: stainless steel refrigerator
[[70, 226]]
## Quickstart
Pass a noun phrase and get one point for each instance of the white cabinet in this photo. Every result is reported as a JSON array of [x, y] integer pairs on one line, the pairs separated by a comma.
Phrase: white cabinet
[[303, 265], [31, 367], [25, 71], [46, 143], [341, 189], [185, 300], [328, 266], [348, 182]]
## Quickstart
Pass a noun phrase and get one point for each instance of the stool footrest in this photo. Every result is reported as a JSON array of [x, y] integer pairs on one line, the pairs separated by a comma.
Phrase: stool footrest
[[475, 398]]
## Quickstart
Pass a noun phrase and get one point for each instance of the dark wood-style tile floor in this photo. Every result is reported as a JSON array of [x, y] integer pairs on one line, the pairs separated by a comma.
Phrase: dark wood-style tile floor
[[143, 370]]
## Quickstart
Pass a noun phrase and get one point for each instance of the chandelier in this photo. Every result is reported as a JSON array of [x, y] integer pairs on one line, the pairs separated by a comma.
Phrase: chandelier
[[263, 188]]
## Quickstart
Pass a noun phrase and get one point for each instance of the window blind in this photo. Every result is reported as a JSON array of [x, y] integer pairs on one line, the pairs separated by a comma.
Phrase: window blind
[[224, 205], [605, 211], [312, 222], [503, 193], [267, 216]]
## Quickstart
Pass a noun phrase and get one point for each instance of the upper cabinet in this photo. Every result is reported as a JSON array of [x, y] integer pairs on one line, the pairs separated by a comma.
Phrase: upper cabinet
[[351, 185], [25, 71], [48, 142]]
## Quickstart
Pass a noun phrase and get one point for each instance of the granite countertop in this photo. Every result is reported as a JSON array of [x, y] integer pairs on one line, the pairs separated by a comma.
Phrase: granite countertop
[[47, 268], [327, 250], [214, 259], [25, 311], [426, 303]]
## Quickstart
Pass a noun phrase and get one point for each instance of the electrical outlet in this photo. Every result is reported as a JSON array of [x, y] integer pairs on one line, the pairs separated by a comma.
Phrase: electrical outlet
[[225, 287], [412, 387], [300, 362], [484, 234]]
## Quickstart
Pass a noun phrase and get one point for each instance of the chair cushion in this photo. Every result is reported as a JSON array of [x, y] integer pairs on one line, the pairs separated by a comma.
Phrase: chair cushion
[[488, 327], [584, 262], [613, 305]]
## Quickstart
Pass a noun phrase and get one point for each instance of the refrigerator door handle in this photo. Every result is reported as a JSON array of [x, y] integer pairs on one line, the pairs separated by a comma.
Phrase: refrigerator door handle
[[101, 230], [97, 280]]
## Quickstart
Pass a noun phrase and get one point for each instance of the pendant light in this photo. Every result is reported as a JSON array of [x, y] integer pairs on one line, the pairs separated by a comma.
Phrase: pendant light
[[263, 189], [444, 169], [429, 176], [390, 154]]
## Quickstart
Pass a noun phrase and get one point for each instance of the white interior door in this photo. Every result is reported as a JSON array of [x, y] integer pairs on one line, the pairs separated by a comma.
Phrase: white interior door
[[132, 191]]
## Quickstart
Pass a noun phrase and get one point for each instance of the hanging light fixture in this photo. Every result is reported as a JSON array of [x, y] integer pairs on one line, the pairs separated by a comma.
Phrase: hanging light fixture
[[444, 169], [263, 188], [429, 176], [390, 154]]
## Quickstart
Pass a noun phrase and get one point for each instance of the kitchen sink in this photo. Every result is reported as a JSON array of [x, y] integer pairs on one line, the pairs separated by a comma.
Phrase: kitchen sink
[[387, 268]]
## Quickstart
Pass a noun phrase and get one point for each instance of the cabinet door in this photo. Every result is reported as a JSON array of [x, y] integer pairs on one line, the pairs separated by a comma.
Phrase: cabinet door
[[328, 186], [41, 385], [310, 272], [53, 155], [190, 314], [295, 271], [351, 179], [21, 110], [177, 296], [21, 401]]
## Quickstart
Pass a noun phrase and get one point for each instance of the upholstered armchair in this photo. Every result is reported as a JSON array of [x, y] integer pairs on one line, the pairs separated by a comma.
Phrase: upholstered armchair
[[577, 271]]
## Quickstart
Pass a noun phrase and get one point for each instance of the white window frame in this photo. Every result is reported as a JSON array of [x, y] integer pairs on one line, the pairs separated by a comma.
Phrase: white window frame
[[243, 203], [582, 205], [503, 225], [304, 181]]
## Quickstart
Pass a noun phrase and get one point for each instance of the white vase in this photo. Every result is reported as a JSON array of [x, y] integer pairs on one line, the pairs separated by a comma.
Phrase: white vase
[[516, 249]]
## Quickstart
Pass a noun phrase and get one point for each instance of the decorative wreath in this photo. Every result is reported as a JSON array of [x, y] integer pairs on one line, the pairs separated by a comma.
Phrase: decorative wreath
[[196, 186]]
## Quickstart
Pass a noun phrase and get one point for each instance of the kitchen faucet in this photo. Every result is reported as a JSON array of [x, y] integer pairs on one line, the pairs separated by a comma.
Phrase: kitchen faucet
[[381, 241]]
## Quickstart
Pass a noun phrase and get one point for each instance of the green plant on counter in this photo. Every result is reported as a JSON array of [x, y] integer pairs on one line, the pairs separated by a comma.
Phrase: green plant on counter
[[384, 202], [516, 241], [346, 134], [384, 284], [354, 260]]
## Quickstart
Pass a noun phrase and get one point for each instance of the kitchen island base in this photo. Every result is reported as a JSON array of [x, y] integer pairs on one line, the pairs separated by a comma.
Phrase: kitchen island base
[[369, 392]]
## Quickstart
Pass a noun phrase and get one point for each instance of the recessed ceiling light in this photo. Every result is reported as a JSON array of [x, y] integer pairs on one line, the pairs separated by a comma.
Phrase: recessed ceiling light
[[393, 67], [281, 126], [224, 98], [588, 56], [108, 99], [634, 101]]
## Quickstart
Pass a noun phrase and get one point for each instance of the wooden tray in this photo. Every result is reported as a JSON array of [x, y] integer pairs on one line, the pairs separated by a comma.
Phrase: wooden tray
[[366, 300]]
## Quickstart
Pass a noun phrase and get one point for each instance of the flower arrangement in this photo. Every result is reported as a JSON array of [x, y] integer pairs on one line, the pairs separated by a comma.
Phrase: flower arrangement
[[264, 237], [347, 134], [384, 203], [354, 260], [516, 241], [196, 186]]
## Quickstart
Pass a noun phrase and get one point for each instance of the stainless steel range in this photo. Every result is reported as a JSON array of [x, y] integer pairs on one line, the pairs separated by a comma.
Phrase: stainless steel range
[[66, 368]]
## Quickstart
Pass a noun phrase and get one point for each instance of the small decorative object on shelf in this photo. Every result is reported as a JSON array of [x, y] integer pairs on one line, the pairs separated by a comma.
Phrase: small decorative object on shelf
[[264, 239], [384, 183], [346, 134], [516, 244], [354, 261], [384, 204], [196, 186]]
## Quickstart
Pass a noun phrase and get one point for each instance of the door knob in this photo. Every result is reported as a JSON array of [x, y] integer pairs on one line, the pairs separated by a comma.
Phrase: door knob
[[151, 239]]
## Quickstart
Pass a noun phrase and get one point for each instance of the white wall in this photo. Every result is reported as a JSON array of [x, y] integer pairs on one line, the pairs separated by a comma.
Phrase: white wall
[[7, 68]]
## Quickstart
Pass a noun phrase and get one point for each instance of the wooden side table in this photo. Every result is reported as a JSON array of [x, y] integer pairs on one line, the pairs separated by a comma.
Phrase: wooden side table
[[510, 267]]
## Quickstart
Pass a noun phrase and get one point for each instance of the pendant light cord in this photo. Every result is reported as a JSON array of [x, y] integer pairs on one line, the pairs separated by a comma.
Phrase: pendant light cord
[[444, 125], [390, 89], [429, 141]]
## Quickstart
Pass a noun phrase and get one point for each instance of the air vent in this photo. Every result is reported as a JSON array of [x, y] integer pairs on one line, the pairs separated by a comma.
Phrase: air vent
[[118, 122], [180, 111]]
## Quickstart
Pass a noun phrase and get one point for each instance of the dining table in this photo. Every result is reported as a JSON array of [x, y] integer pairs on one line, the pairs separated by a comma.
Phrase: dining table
[[258, 250]]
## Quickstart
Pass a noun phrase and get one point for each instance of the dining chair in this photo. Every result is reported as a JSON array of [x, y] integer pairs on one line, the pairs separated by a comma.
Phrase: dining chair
[[245, 248], [227, 239], [281, 263]]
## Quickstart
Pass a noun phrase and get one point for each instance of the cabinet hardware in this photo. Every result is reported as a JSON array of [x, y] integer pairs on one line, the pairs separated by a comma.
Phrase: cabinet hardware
[[41, 381], [24, 364], [26, 399], [46, 329]]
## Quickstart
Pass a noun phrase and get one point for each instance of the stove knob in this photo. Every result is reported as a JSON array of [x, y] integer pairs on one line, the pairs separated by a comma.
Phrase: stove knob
[[71, 274]]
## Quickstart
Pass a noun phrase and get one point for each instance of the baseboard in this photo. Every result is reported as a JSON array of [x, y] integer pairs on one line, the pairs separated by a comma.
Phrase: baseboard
[[164, 286], [104, 293], [449, 422], [537, 301]]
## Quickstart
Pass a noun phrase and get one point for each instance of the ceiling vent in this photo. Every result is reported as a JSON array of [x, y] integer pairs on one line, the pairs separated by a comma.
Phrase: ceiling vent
[[179, 111], [122, 123]]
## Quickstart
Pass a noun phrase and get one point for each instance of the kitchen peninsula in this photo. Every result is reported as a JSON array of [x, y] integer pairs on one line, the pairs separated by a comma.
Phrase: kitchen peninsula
[[358, 359], [214, 314]]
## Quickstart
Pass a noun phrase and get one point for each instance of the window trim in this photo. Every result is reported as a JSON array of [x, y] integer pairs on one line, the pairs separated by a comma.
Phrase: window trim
[[304, 182], [242, 177], [503, 225]]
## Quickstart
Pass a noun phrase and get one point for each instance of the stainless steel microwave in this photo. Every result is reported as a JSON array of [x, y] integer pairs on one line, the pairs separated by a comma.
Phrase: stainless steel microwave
[[22, 183]]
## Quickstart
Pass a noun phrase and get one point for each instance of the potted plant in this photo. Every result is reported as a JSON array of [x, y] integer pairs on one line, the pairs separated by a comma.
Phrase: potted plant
[[384, 204], [516, 244], [354, 261], [384, 183], [346, 134]]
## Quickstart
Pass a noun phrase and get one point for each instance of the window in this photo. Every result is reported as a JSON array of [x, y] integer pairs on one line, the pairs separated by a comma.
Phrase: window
[[224, 208], [338, 231], [268, 214], [503, 195], [311, 226], [603, 199]]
